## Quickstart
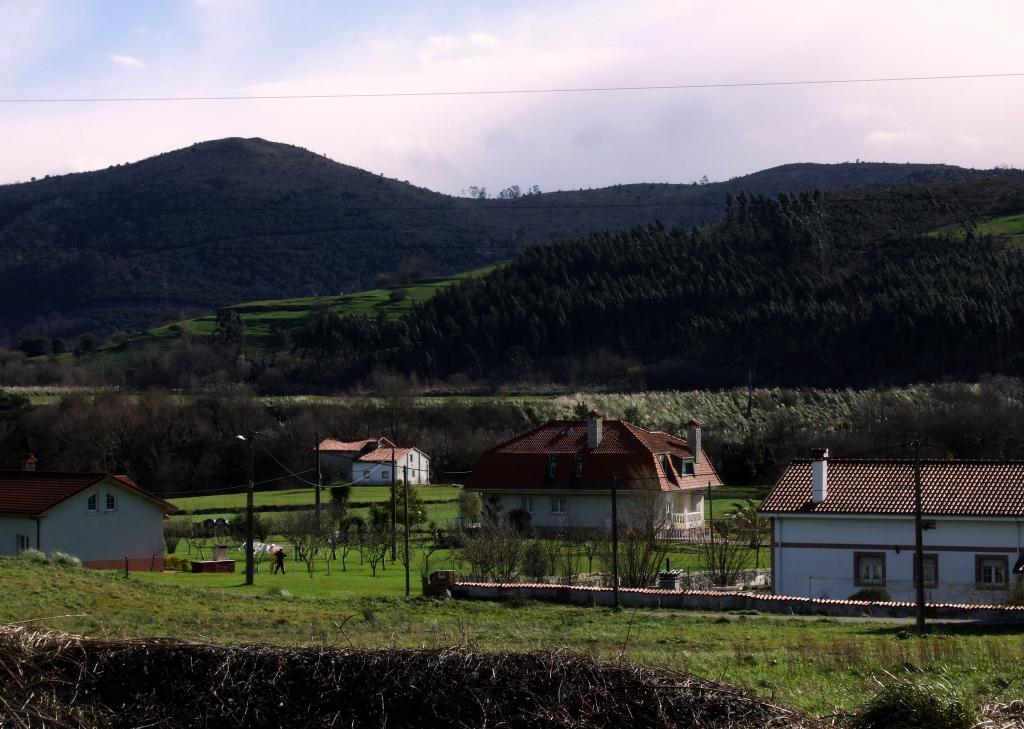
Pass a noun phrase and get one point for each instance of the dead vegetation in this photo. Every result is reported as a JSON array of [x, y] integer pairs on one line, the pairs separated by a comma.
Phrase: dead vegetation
[[51, 679]]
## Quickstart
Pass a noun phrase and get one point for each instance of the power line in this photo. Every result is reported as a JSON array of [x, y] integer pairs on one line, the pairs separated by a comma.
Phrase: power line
[[509, 92]]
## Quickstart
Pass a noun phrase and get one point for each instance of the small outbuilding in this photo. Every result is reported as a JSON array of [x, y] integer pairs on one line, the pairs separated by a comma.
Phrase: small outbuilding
[[102, 519]]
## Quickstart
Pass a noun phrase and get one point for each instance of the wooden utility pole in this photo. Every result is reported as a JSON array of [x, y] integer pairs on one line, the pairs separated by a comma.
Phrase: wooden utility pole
[[918, 541], [615, 540], [250, 566], [405, 482], [319, 487], [394, 509]]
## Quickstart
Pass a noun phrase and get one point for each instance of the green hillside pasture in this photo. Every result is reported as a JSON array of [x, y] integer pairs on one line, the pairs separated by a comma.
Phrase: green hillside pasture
[[263, 318], [818, 665], [1006, 225], [297, 497]]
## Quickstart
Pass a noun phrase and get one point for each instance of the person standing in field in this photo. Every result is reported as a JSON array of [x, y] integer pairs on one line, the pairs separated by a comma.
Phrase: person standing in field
[[278, 560]]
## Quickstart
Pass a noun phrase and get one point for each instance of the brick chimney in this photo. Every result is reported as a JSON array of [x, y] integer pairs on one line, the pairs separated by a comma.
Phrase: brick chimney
[[819, 475], [693, 438], [595, 422], [28, 462]]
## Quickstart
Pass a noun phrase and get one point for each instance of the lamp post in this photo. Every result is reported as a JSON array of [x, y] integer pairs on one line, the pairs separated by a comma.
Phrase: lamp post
[[249, 562], [615, 540]]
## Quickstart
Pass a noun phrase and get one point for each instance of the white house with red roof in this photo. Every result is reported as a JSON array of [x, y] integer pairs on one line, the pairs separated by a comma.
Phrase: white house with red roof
[[561, 473], [100, 518], [374, 461], [842, 525]]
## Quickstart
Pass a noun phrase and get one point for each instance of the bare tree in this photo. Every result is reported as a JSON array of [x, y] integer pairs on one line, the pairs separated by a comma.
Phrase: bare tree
[[723, 553], [750, 527], [495, 549], [397, 399], [374, 546], [306, 536], [642, 544]]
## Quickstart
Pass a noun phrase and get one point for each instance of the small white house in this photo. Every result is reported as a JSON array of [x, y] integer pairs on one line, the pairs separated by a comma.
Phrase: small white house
[[561, 474], [842, 525], [374, 461], [99, 518]]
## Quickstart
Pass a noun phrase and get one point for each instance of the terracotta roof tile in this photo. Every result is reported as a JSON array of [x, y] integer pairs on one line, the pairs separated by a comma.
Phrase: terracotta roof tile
[[384, 455], [333, 444], [953, 488], [626, 451], [31, 493]]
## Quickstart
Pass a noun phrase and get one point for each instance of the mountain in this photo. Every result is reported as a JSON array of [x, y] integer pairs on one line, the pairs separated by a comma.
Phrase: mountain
[[234, 220]]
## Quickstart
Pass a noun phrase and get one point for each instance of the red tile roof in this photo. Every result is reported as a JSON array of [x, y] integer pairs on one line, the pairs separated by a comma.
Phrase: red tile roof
[[948, 488], [626, 451], [345, 446], [32, 493], [384, 455]]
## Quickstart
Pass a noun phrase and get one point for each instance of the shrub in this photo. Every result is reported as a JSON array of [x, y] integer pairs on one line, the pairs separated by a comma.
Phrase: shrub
[[341, 494], [63, 559], [177, 563], [33, 555], [398, 294], [470, 506], [872, 594], [906, 703], [535, 562]]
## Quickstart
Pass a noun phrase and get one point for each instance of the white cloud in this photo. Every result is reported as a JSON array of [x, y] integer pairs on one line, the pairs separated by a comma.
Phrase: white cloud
[[567, 140], [126, 61]]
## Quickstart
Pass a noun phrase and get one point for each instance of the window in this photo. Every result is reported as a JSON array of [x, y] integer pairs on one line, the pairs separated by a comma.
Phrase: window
[[577, 468], [558, 505], [386, 475], [111, 502], [366, 474], [527, 504], [410, 458], [90, 503], [930, 562], [688, 468], [869, 568], [991, 572], [552, 464], [23, 542], [663, 461]]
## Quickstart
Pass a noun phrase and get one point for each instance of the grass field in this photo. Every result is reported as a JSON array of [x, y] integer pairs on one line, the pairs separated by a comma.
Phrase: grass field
[[293, 497], [812, 664]]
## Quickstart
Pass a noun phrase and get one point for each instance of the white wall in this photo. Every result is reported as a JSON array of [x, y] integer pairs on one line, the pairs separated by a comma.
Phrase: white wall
[[380, 473], [134, 530], [818, 570], [10, 528], [585, 510]]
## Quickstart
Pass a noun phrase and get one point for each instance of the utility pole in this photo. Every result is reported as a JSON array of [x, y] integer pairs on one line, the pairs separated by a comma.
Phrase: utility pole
[[394, 509], [319, 487], [918, 541], [615, 540], [405, 481], [250, 566]]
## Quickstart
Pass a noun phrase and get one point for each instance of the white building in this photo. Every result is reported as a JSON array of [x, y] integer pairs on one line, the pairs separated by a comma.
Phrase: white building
[[99, 518], [842, 525], [561, 473], [374, 461]]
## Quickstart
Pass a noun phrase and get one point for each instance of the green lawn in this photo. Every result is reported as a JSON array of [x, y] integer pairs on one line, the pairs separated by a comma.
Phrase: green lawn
[[816, 664], [293, 497]]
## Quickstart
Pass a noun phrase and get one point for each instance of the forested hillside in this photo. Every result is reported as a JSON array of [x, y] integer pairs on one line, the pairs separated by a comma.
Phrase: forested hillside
[[245, 219]]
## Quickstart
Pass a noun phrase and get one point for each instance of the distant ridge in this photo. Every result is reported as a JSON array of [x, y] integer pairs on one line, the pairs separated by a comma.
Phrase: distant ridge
[[238, 219]]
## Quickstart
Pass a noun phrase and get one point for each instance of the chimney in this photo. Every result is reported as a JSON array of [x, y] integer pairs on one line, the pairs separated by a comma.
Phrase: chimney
[[28, 462], [819, 475], [594, 426], [693, 438]]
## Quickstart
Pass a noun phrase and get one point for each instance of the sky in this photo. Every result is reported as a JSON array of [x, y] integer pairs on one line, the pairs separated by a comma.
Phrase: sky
[[146, 48]]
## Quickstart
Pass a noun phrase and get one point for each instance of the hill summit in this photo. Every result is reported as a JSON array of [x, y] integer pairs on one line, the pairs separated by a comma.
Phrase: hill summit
[[237, 219]]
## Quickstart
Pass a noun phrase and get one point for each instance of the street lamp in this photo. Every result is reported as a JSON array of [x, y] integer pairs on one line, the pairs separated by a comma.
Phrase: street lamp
[[249, 562]]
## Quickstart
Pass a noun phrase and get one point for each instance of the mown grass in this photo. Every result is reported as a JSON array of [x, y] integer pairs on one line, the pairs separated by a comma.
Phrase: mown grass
[[812, 664], [294, 497]]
